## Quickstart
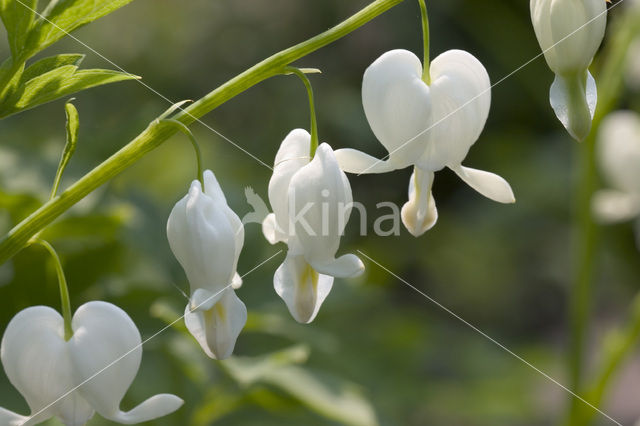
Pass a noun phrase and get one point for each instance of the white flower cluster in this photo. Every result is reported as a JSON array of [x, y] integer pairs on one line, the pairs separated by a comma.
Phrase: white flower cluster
[[425, 122]]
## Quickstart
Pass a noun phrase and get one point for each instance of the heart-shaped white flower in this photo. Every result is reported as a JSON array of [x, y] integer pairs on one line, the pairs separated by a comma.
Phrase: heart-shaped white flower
[[311, 201], [72, 379], [429, 126]]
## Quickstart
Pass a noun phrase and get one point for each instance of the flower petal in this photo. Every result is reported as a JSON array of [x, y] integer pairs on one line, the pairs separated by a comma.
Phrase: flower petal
[[611, 206], [354, 161], [106, 351], [346, 266], [488, 184], [292, 155], [271, 231], [9, 418], [217, 329], [237, 281], [319, 197], [461, 98], [203, 300], [204, 240], [301, 287], [36, 360], [419, 214], [397, 104], [573, 98], [577, 29], [618, 149]]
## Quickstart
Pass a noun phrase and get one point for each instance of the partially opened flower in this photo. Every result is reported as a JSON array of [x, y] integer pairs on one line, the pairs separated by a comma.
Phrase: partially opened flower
[[311, 201], [206, 237], [619, 158], [569, 33], [429, 126], [72, 379]]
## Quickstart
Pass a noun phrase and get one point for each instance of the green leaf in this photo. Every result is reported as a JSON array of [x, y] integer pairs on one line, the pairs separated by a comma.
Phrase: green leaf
[[10, 76], [249, 370], [64, 16], [49, 64], [331, 397], [18, 17], [62, 81]]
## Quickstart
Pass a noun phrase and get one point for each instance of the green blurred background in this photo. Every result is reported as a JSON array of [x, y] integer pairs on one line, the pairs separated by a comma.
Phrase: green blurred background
[[378, 351]]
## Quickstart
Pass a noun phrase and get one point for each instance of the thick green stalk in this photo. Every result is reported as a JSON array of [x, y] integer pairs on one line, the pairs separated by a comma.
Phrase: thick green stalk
[[156, 132]]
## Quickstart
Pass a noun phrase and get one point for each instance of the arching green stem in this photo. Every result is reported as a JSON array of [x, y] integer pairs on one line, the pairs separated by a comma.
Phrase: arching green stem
[[426, 77], [184, 129], [62, 285], [312, 107], [154, 135]]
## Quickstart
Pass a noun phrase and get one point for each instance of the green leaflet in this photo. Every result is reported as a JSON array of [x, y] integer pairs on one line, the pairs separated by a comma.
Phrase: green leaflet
[[331, 397], [49, 64], [63, 16], [18, 19], [73, 123], [29, 31], [59, 82]]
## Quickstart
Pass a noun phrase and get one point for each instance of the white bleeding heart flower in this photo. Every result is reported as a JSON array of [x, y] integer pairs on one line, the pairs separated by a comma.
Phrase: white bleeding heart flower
[[206, 237], [618, 150], [569, 33], [429, 126], [72, 379], [311, 203]]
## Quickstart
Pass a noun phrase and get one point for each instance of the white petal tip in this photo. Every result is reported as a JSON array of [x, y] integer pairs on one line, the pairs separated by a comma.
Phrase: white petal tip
[[488, 184], [155, 407]]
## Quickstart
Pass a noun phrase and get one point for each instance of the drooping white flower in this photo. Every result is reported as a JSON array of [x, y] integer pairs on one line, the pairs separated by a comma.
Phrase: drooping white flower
[[311, 203], [569, 33], [618, 149], [429, 126], [206, 237], [72, 379]]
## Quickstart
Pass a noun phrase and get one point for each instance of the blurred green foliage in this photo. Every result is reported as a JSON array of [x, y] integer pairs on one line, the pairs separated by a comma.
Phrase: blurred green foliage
[[378, 351]]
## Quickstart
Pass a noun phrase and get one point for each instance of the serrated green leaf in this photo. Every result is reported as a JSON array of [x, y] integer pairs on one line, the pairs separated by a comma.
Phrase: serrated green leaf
[[64, 16], [50, 63], [57, 83], [18, 17]]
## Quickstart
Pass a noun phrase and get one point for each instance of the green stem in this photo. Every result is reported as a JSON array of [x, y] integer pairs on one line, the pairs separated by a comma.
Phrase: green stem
[[64, 290], [585, 257], [155, 134], [184, 129], [619, 345], [312, 108], [426, 77], [609, 88]]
